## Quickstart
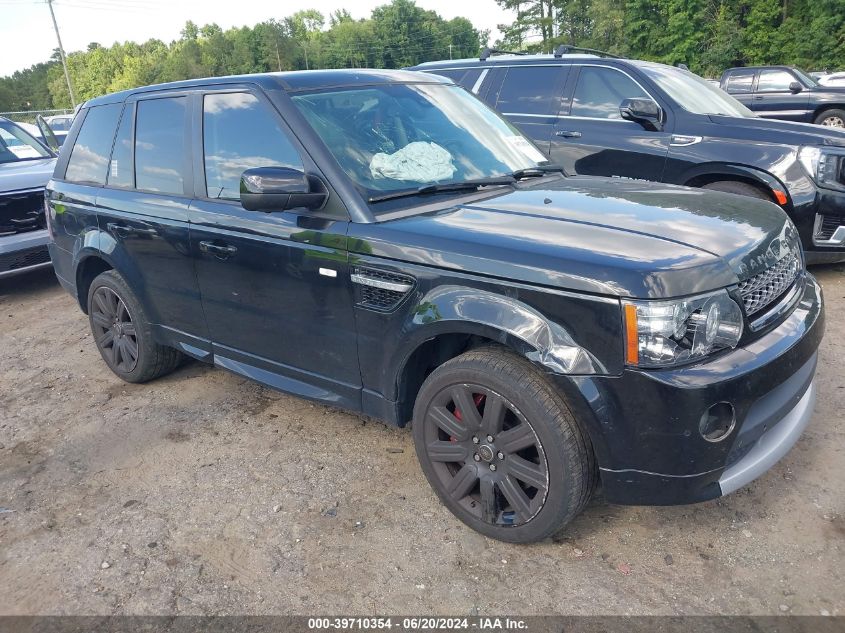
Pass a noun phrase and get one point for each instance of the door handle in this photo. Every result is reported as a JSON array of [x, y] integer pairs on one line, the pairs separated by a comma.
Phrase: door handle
[[758, 98], [221, 251], [568, 134], [121, 230]]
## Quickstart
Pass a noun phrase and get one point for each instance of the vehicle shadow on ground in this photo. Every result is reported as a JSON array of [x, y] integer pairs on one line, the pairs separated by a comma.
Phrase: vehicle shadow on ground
[[36, 281]]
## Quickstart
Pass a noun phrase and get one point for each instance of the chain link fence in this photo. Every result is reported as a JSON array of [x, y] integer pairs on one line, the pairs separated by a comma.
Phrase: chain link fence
[[28, 116]]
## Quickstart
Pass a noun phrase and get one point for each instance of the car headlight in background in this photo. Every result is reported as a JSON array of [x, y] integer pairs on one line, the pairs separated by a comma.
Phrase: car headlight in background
[[825, 166], [665, 333]]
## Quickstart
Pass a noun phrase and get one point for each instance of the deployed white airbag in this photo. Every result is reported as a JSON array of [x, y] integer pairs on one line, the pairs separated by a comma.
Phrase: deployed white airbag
[[418, 161]]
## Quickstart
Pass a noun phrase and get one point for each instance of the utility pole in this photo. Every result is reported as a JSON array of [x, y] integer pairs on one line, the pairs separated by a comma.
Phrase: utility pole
[[62, 54], [450, 51]]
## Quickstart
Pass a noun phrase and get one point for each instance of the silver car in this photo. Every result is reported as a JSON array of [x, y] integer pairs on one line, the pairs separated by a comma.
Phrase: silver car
[[26, 165]]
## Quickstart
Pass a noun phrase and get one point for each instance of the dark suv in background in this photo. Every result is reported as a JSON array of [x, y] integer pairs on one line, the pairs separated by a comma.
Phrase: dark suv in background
[[784, 92], [381, 241], [599, 115]]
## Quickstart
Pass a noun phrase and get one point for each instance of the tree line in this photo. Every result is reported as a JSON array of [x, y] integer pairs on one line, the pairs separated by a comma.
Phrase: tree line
[[706, 35], [395, 35]]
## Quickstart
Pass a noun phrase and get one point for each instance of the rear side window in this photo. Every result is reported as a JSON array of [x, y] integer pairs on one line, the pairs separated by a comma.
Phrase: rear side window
[[532, 90], [160, 145], [89, 159], [600, 92], [739, 81], [239, 132], [774, 81], [121, 172]]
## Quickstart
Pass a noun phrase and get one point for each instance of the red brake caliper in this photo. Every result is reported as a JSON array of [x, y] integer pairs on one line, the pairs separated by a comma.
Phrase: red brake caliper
[[477, 399]]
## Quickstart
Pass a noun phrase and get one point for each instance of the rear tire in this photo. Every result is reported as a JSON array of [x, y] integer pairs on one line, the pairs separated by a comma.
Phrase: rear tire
[[123, 334], [535, 474], [739, 188], [831, 118]]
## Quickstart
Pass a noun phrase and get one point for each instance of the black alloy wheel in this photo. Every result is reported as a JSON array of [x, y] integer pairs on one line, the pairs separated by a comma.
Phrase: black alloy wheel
[[114, 330], [123, 332], [486, 455], [500, 447]]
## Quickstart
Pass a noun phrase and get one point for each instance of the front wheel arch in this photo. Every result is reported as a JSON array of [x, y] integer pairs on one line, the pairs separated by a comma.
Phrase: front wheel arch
[[708, 179], [438, 349]]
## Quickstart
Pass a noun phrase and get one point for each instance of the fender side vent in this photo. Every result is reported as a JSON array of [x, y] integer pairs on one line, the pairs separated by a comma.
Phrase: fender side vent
[[380, 290]]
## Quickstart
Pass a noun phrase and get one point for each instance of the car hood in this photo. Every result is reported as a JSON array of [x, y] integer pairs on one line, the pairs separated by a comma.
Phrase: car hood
[[600, 235], [780, 132], [26, 174]]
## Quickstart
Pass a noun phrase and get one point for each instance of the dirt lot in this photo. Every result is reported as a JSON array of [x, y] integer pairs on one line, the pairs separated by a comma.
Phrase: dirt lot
[[203, 493]]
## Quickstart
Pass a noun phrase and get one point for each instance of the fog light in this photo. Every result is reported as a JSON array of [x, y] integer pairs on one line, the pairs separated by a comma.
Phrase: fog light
[[717, 422]]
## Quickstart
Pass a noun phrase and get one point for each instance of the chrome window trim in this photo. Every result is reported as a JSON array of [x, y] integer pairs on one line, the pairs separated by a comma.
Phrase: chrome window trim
[[533, 116]]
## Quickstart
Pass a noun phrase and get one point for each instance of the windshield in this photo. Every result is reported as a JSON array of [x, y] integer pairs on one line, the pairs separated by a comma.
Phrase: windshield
[[693, 93], [17, 144], [405, 136]]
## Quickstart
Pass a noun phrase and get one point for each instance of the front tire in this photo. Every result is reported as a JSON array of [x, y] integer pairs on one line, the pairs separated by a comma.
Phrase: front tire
[[831, 118], [122, 331], [500, 447]]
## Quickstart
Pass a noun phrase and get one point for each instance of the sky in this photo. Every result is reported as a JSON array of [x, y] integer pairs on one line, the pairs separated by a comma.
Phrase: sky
[[27, 37]]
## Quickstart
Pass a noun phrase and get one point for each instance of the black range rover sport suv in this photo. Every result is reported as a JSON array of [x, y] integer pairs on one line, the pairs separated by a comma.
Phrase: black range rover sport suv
[[383, 242], [600, 115]]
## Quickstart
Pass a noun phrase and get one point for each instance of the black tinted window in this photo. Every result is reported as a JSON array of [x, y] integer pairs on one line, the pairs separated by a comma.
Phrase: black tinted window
[[600, 92], [453, 74], [739, 81], [160, 145], [89, 158], [121, 173], [774, 81], [239, 133], [532, 90], [465, 77]]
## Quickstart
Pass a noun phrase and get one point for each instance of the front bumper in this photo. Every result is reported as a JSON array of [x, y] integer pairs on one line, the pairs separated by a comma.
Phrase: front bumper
[[22, 252], [821, 224], [645, 425]]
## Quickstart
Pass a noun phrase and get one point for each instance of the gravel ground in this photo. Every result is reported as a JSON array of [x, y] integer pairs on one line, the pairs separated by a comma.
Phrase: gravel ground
[[203, 493]]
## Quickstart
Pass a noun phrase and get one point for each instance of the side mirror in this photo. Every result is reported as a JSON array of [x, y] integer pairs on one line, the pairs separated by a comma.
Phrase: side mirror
[[795, 87], [47, 132], [277, 189], [643, 111]]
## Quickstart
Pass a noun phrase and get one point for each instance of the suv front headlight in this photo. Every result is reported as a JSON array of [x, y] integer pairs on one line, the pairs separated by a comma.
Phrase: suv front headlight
[[824, 165], [666, 333]]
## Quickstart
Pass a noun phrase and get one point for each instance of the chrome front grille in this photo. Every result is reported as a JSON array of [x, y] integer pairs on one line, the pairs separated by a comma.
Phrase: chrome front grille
[[761, 290]]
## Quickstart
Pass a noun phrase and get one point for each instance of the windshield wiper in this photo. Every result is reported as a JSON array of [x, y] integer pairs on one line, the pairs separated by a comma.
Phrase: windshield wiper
[[466, 185], [536, 172]]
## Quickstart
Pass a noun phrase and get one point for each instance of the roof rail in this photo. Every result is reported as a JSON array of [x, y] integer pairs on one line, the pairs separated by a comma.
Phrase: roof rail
[[565, 49], [487, 52]]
